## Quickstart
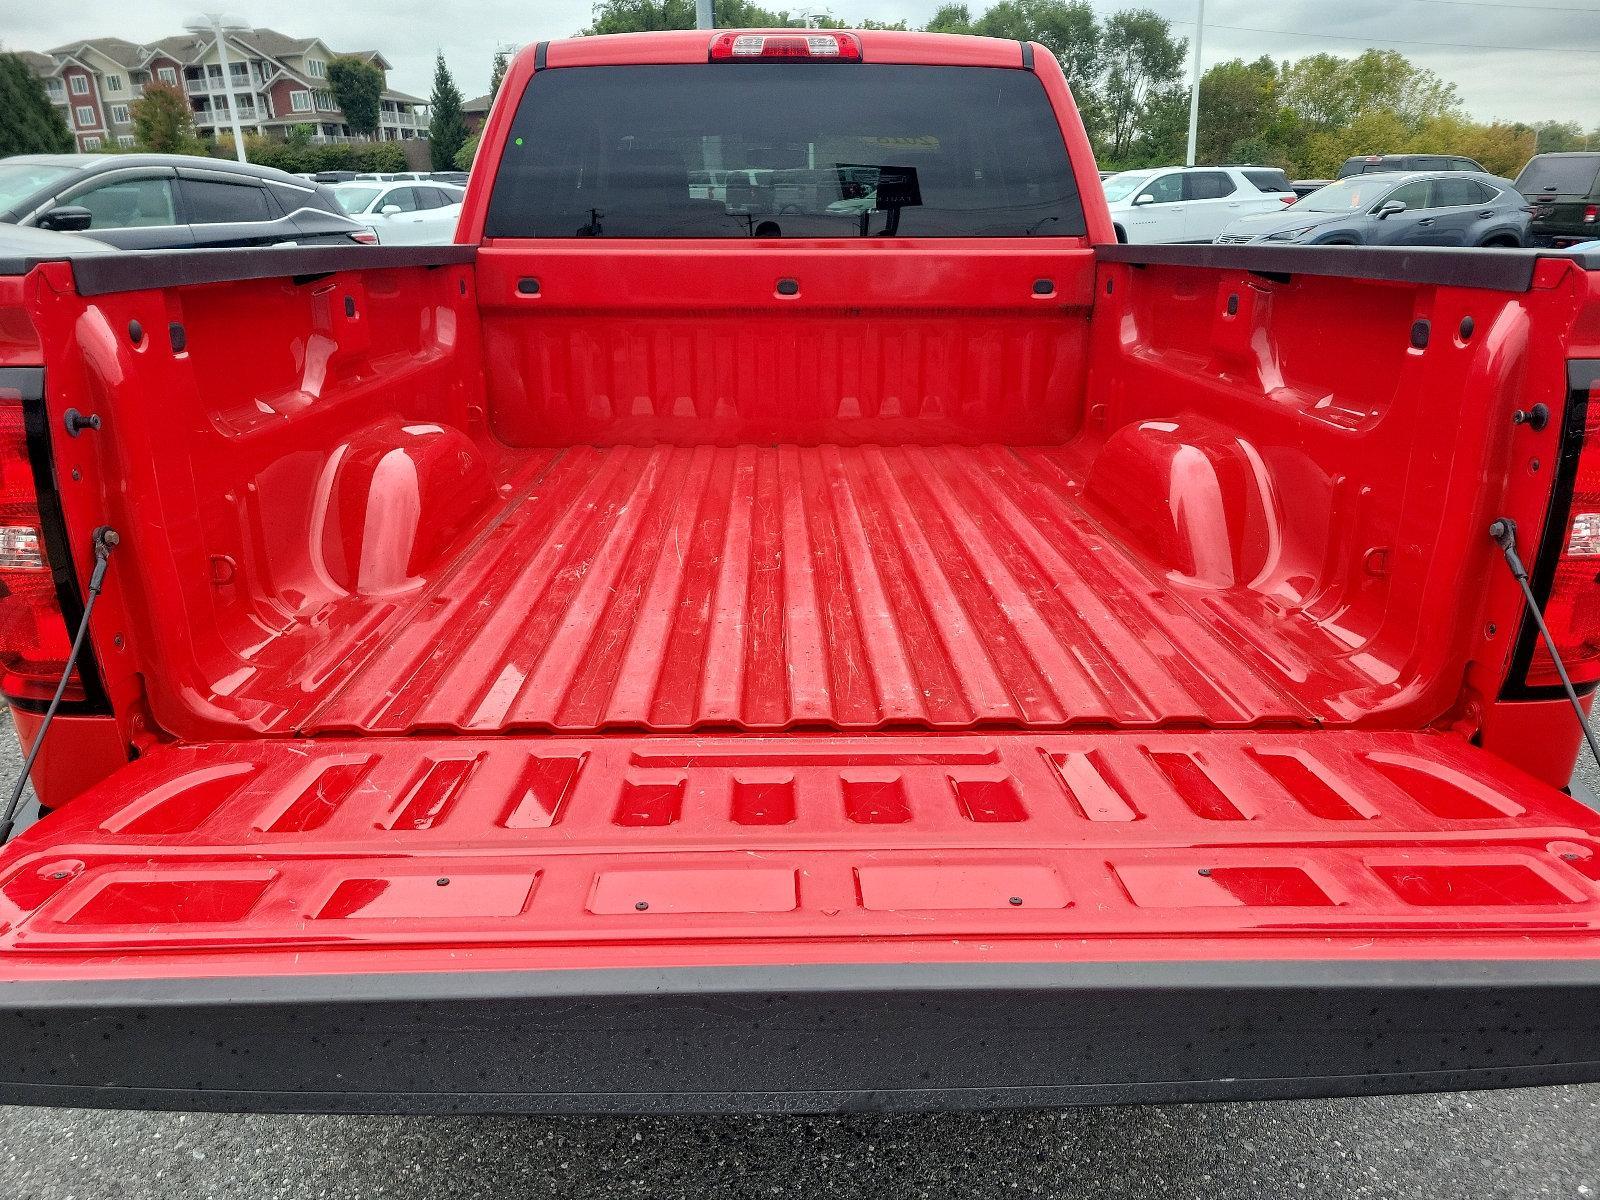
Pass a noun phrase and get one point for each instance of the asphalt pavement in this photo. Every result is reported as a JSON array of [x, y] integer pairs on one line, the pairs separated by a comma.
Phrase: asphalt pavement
[[1529, 1142]]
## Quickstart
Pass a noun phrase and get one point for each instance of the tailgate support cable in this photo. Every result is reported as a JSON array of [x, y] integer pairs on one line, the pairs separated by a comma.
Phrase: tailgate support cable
[[1504, 532], [105, 541]]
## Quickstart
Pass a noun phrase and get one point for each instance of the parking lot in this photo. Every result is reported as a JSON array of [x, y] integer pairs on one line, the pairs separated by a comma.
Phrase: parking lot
[[1530, 1142]]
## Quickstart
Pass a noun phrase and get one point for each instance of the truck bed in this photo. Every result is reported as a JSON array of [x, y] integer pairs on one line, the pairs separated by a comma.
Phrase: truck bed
[[763, 588]]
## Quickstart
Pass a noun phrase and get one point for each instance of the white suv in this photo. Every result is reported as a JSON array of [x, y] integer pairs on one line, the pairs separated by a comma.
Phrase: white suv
[[1191, 204], [403, 214]]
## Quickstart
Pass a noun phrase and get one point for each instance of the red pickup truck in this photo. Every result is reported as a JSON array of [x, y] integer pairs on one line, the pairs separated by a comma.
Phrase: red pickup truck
[[787, 614]]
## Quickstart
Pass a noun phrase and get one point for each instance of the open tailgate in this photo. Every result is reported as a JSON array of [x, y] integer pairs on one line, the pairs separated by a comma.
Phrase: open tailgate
[[625, 923]]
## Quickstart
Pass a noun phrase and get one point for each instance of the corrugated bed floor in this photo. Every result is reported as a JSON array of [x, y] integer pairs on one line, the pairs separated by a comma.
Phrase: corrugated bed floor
[[675, 588]]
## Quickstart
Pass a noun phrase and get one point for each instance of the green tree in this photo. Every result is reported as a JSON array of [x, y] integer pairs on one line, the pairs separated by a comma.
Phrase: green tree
[[1067, 28], [447, 132], [1329, 92], [1238, 106], [648, 16], [497, 73], [29, 123], [468, 152], [163, 122], [1142, 64], [357, 88], [1553, 137], [1501, 146]]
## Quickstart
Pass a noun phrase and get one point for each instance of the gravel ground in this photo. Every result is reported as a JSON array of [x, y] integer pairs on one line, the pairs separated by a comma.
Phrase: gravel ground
[[1529, 1142]]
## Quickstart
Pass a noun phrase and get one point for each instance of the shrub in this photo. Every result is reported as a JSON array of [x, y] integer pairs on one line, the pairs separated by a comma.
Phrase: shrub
[[300, 156]]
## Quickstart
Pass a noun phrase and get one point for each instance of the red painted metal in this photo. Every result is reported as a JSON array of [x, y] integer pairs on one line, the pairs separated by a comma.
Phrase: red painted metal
[[691, 587], [897, 342], [449, 853], [1540, 736], [78, 752], [1158, 600], [1220, 523]]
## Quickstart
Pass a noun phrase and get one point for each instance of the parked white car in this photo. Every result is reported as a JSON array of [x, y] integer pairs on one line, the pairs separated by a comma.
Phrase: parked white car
[[404, 214], [1191, 204]]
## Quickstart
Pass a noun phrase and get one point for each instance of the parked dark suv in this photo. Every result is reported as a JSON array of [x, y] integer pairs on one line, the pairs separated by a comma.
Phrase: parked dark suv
[[1564, 190], [170, 201], [1362, 164]]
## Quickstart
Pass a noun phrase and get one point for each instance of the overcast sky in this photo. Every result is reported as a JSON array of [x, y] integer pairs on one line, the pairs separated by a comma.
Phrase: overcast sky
[[1518, 59]]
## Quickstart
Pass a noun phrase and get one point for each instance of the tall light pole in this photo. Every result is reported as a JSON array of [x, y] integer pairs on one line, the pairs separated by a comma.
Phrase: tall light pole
[[1194, 90], [703, 18], [221, 25]]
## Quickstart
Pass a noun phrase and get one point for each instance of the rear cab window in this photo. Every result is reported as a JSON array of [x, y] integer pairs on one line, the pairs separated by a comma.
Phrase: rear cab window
[[1267, 180], [1552, 175], [739, 150]]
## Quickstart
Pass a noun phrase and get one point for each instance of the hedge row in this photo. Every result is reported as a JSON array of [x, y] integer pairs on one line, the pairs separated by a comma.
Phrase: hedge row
[[313, 157]]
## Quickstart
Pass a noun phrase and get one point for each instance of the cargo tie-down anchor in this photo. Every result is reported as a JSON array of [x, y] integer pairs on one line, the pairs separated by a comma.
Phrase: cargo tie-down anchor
[[105, 541]]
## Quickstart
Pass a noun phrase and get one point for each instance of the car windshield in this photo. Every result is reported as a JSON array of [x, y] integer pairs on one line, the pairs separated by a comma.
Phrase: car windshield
[[1348, 195], [18, 181], [355, 200], [1120, 187]]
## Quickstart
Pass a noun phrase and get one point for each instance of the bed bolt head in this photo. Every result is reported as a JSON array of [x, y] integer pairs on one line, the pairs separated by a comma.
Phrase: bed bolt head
[[1535, 418]]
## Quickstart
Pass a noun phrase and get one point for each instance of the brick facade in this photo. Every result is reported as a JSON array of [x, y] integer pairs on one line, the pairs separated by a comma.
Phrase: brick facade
[[265, 68]]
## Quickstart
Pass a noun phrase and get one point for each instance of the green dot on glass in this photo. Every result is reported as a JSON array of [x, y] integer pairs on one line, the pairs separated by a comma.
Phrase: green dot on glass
[[519, 141]]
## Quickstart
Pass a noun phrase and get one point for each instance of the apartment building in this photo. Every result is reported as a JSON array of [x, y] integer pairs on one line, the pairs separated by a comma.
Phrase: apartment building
[[274, 83]]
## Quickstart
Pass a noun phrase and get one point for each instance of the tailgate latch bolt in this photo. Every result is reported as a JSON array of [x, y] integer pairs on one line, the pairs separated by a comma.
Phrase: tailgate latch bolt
[[77, 422], [1535, 418]]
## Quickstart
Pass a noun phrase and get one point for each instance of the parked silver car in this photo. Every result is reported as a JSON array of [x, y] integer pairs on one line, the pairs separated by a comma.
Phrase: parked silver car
[[1396, 208]]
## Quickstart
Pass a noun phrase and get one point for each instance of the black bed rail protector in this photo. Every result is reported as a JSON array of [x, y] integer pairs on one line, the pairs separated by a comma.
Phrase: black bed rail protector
[[137, 270], [801, 1039], [1498, 270]]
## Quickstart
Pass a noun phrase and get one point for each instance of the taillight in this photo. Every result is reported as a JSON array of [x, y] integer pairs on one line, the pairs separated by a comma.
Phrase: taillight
[[804, 44], [1288, 200], [1572, 610], [1591, 213], [365, 236], [33, 636]]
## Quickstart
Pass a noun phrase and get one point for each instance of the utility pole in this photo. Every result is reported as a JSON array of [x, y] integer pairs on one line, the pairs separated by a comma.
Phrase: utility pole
[[1194, 91], [222, 25], [703, 17]]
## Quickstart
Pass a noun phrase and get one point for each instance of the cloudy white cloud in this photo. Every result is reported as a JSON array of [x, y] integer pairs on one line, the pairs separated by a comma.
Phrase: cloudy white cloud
[[1518, 59]]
